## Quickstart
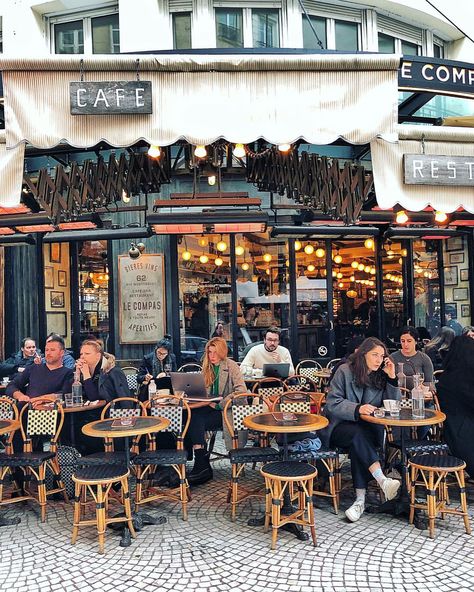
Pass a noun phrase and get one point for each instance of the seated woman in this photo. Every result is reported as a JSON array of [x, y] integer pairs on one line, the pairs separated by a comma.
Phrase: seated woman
[[156, 366], [223, 378], [357, 388], [414, 362], [438, 348], [455, 391]]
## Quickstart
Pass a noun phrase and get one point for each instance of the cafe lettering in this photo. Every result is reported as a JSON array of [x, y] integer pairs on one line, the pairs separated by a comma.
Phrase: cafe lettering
[[428, 169], [110, 98]]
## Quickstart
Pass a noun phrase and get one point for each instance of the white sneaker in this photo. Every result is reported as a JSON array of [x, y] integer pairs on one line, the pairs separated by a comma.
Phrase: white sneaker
[[355, 511], [390, 488]]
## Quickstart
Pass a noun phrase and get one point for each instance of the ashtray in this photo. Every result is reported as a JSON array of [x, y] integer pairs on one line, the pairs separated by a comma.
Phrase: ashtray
[[379, 412]]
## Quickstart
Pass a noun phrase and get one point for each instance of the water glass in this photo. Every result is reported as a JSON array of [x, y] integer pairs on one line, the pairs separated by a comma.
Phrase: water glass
[[394, 408], [68, 400]]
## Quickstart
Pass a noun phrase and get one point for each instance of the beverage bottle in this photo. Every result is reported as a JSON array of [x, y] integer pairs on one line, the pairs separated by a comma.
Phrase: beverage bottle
[[77, 389], [418, 399], [151, 389], [401, 376]]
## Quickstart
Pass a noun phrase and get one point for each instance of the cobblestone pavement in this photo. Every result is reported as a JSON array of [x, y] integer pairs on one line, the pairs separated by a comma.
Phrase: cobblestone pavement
[[210, 553]]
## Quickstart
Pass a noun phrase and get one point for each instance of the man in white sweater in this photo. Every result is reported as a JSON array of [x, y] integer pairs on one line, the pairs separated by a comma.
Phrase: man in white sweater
[[268, 352]]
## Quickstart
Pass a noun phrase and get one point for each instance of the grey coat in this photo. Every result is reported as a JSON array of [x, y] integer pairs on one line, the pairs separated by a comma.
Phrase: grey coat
[[345, 396]]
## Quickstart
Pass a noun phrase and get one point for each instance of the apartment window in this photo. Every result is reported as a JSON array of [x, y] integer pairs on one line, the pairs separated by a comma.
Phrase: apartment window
[[438, 50], [309, 39], [389, 44], [229, 29], [265, 28], [386, 43], [182, 30], [347, 36], [89, 34], [409, 48]]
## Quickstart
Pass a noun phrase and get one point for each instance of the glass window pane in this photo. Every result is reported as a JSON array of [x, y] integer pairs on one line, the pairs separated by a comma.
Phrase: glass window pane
[[386, 44], [394, 310], [409, 48], [438, 51], [309, 39], [229, 32], [106, 34], [425, 273], [182, 30], [347, 36], [265, 28], [69, 37], [456, 284]]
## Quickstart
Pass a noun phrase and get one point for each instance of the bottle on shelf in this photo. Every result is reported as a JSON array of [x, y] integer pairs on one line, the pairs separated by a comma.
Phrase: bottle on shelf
[[401, 376], [151, 389]]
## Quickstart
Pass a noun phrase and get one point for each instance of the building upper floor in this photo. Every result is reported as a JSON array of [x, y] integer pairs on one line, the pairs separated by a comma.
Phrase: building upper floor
[[30, 27]]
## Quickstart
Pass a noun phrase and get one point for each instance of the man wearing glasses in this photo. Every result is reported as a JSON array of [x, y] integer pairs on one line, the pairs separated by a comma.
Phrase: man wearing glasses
[[268, 352]]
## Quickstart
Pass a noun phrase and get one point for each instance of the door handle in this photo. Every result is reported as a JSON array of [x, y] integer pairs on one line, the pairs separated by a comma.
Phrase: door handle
[[331, 325]]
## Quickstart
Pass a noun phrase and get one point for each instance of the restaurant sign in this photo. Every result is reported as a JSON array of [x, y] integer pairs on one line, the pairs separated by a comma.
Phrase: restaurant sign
[[141, 299], [110, 98], [436, 75], [430, 169]]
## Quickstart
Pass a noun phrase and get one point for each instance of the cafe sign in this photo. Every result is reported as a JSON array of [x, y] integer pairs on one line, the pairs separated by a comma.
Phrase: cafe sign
[[141, 299], [110, 98], [429, 169], [437, 75]]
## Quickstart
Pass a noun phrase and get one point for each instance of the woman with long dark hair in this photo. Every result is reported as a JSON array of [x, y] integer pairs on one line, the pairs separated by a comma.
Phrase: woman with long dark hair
[[456, 398], [357, 389], [414, 361], [438, 348]]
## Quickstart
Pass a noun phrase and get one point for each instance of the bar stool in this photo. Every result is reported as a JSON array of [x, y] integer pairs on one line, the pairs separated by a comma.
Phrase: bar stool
[[281, 478], [98, 481], [431, 471]]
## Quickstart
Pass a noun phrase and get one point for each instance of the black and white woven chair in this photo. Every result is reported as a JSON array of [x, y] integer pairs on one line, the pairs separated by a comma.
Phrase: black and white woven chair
[[131, 374]]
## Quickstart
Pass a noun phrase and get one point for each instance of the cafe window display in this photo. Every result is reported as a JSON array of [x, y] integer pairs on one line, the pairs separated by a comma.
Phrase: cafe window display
[[426, 287]]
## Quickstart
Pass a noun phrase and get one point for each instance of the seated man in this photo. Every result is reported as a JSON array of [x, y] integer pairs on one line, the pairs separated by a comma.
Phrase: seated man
[[22, 359], [42, 381], [68, 360], [268, 352]]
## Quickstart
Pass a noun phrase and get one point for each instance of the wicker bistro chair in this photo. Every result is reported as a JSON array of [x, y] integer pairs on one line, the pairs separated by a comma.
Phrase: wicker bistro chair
[[330, 365], [191, 368], [177, 410], [8, 410], [236, 408], [300, 382], [35, 423], [121, 407], [309, 368], [431, 471], [131, 374], [304, 402], [268, 388]]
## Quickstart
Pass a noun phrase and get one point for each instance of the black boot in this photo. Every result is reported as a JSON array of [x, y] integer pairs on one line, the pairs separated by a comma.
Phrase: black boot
[[202, 471]]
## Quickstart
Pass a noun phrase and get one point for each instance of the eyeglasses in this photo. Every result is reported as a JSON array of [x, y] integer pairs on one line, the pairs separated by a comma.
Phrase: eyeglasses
[[162, 354], [272, 340]]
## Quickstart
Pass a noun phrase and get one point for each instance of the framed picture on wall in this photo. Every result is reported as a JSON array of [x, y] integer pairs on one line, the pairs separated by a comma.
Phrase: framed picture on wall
[[55, 252], [464, 273], [451, 276], [56, 323], [456, 243], [57, 299], [465, 310], [48, 277], [62, 278], [456, 257], [460, 294]]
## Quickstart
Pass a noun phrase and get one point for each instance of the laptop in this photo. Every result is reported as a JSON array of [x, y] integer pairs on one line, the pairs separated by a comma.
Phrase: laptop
[[276, 370], [192, 384]]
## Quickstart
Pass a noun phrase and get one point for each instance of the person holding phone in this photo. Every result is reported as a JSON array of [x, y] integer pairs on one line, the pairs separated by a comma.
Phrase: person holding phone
[[357, 389]]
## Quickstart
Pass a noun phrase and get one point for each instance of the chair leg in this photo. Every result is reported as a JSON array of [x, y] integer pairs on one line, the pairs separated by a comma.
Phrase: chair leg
[[462, 489], [413, 477], [183, 489], [234, 491], [127, 506], [268, 503], [77, 512], [42, 491], [310, 510], [100, 517], [431, 495], [276, 502], [138, 487]]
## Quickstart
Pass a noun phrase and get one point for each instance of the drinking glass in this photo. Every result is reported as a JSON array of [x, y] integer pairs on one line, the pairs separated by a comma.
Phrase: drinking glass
[[68, 400]]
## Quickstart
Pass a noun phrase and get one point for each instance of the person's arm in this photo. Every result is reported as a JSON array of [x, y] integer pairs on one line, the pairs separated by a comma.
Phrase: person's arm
[[8, 367], [249, 360], [144, 373], [337, 405]]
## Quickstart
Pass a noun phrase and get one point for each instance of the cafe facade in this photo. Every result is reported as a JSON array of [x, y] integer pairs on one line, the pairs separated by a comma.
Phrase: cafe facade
[[299, 192]]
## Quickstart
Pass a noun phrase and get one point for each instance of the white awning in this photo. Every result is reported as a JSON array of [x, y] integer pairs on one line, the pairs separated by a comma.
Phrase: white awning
[[11, 173], [387, 163]]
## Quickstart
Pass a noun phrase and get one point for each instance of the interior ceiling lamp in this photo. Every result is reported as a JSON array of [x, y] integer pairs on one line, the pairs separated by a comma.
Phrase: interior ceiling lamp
[[339, 275], [440, 216], [239, 151], [245, 266], [134, 252], [284, 147], [337, 257], [298, 245], [351, 293], [352, 278], [267, 257], [309, 249], [218, 261], [355, 264], [186, 255], [373, 271], [125, 196], [311, 268], [154, 151], [202, 242], [369, 244], [360, 266], [211, 180], [404, 252], [320, 253], [221, 245], [401, 217], [200, 151], [239, 250], [267, 271], [367, 269], [341, 285], [204, 258]]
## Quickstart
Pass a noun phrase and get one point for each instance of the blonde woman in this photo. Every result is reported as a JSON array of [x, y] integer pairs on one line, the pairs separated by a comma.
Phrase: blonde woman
[[223, 378]]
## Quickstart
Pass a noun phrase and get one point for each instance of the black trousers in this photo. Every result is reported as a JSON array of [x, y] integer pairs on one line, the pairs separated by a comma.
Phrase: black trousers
[[203, 419], [361, 439]]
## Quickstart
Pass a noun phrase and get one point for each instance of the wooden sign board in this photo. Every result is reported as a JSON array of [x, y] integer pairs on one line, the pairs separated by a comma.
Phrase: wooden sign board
[[110, 98], [141, 299], [429, 169]]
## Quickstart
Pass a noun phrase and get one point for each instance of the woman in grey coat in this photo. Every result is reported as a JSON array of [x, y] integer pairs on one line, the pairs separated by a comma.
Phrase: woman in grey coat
[[357, 389]]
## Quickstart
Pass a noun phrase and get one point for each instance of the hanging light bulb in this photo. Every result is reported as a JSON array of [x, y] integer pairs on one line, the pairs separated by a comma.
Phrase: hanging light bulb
[[202, 242], [239, 250], [211, 180], [203, 258], [341, 285], [404, 252], [352, 278], [186, 255], [320, 253], [239, 150], [309, 249], [334, 274], [284, 147], [367, 269], [218, 261], [360, 266], [338, 259], [267, 271], [267, 257], [245, 266], [298, 245], [311, 268], [355, 265], [369, 243], [400, 261], [401, 217], [154, 151], [351, 293], [373, 271], [125, 196], [390, 253], [200, 151], [440, 216], [221, 245], [339, 275]]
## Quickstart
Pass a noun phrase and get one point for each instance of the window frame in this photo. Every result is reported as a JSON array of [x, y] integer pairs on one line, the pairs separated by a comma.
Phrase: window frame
[[173, 15], [247, 25], [331, 27]]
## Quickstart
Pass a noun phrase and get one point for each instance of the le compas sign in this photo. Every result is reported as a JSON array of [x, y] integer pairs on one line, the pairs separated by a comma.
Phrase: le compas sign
[[110, 98]]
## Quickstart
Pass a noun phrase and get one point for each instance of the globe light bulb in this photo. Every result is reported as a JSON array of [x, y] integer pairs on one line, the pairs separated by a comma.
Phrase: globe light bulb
[[341, 285], [221, 246], [367, 269], [154, 151], [311, 268], [218, 261], [245, 266], [338, 259], [401, 217], [360, 266], [369, 243], [211, 180], [203, 258], [239, 250], [239, 151], [186, 255], [202, 242], [267, 271], [200, 151], [309, 249], [320, 253], [355, 265], [298, 245], [267, 257], [339, 275]]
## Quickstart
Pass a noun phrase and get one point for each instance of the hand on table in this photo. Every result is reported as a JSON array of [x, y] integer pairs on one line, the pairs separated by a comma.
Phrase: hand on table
[[366, 409]]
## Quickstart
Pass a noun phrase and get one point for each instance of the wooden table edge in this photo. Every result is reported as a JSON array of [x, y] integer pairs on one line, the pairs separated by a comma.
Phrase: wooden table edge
[[89, 430], [290, 429], [405, 423]]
